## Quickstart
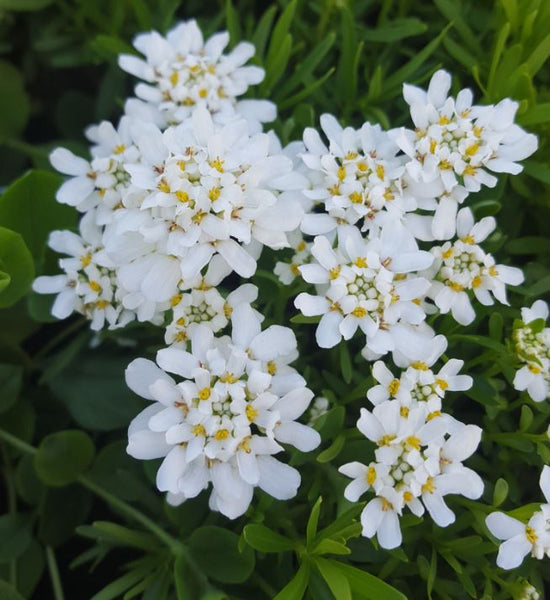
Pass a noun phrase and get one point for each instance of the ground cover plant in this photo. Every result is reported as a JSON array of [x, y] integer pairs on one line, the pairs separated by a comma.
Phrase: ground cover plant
[[274, 283]]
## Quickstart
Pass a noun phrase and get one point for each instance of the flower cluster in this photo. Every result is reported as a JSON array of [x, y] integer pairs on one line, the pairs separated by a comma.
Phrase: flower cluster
[[532, 346], [519, 538], [419, 449], [236, 400], [189, 189]]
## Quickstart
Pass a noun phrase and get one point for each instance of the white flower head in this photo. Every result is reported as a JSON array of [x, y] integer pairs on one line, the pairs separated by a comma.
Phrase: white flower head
[[457, 144], [463, 266], [210, 189], [415, 466], [532, 345], [225, 417], [368, 284], [182, 71], [356, 178]]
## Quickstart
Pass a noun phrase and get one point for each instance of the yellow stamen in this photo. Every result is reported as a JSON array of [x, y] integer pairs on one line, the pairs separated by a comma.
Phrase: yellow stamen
[[393, 388], [380, 171], [204, 394], [251, 412], [359, 312], [341, 173], [386, 440], [407, 496], [534, 369], [371, 475], [530, 534], [360, 262], [163, 186], [442, 384], [443, 120], [222, 434], [182, 196], [419, 365], [334, 272], [468, 239], [493, 271], [471, 150], [175, 300], [414, 442], [94, 286], [198, 430], [428, 486], [272, 367], [356, 198], [433, 415], [85, 260], [214, 193], [119, 149], [454, 286], [448, 253], [404, 411], [217, 164]]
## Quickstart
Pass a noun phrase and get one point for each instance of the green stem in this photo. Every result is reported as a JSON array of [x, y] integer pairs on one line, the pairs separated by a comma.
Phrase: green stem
[[175, 545], [54, 574], [25, 148]]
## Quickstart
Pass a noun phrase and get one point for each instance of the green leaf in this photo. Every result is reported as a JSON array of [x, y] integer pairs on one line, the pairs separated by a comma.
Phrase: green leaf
[[334, 578], [109, 47], [8, 592], [259, 39], [496, 325], [264, 539], [529, 245], [14, 101], [217, 554], [368, 585], [92, 388], [117, 587], [327, 546], [233, 23], [333, 450], [394, 82], [29, 207], [539, 56], [63, 456], [11, 378], [16, 262], [124, 536], [395, 30], [500, 492], [296, 587], [537, 170], [539, 113], [311, 528], [345, 362], [187, 585], [15, 533]]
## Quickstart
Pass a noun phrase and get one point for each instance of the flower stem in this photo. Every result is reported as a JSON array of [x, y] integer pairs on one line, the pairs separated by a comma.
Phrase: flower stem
[[54, 574]]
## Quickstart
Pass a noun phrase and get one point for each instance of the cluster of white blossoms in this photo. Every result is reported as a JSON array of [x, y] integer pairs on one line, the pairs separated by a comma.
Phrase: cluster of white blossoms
[[188, 189], [419, 448], [520, 539], [236, 400], [531, 340]]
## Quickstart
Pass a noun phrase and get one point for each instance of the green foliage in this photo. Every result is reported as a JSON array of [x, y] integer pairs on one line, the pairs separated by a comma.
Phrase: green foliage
[[95, 522]]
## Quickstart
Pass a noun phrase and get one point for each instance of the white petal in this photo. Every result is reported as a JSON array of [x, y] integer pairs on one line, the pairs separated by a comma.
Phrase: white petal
[[504, 527], [512, 552], [300, 436], [146, 445], [141, 374], [277, 479], [177, 361]]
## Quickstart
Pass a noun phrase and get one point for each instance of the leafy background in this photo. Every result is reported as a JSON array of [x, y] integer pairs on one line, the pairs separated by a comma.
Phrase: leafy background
[[80, 519]]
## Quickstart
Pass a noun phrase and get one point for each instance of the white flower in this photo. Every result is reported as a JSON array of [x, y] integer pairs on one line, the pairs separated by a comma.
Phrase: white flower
[[225, 418], [183, 71], [415, 466], [463, 266], [357, 177], [521, 539], [366, 287], [456, 143], [209, 190], [102, 182], [89, 284], [532, 345], [288, 271]]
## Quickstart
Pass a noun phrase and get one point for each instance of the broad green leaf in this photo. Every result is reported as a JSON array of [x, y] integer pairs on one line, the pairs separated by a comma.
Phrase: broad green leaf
[[537, 170], [8, 592], [29, 207], [334, 578], [216, 551], [14, 101], [15, 533], [296, 587], [92, 388], [539, 113], [529, 245], [15, 261], [11, 378], [264, 539], [311, 528], [63, 456], [367, 585], [395, 30]]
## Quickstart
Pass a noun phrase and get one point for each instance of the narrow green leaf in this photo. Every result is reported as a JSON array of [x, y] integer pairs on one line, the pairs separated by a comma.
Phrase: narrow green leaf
[[394, 31], [117, 587], [307, 91], [497, 54], [233, 22], [259, 39], [264, 539], [333, 450], [334, 578], [296, 587], [345, 362], [328, 546], [311, 528], [280, 32], [24, 5], [539, 56], [368, 585], [276, 66]]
